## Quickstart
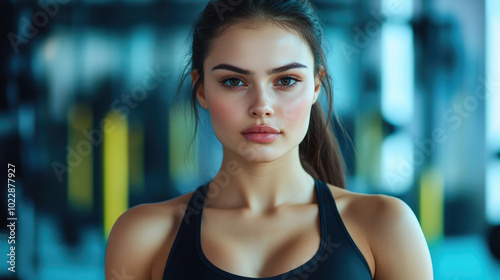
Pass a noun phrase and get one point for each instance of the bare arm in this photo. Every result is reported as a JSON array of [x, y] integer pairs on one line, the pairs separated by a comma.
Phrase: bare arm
[[398, 243]]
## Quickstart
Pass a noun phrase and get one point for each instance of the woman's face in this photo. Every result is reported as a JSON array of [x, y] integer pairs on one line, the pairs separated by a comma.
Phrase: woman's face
[[261, 76]]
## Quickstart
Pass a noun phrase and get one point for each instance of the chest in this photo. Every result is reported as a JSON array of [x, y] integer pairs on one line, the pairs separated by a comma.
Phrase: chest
[[262, 246], [265, 246]]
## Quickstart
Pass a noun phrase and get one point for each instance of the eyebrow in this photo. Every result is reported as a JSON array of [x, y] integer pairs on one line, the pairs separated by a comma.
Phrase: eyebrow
[[269, 72]]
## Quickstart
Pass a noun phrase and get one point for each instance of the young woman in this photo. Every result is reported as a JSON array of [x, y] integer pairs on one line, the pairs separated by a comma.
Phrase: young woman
[[277, 208]]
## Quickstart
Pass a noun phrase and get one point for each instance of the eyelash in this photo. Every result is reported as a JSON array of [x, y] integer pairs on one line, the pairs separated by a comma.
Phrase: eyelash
[[225, 79]]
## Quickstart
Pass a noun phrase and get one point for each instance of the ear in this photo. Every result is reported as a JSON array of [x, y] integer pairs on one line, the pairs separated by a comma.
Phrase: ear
[[200, 94], [317, 83]]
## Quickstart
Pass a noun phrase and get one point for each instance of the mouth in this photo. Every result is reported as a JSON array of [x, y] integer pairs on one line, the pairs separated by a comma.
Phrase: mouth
[[261, 133], [261, 129], [264, 137]]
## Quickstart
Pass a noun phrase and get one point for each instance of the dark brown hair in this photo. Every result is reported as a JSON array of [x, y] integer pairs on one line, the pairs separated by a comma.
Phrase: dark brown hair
[[320, 154]]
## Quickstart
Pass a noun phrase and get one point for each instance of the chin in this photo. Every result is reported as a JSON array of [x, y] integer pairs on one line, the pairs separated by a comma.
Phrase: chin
[[261, 159]]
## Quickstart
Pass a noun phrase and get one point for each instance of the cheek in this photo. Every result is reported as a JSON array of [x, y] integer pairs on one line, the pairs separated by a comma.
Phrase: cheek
[[223, 114], [220, 111], [296, 112]]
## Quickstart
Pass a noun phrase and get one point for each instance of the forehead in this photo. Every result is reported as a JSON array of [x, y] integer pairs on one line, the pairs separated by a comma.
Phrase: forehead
[[259, 48]]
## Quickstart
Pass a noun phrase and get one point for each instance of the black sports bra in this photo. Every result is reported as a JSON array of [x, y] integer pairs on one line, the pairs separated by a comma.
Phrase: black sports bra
[[338, 257]]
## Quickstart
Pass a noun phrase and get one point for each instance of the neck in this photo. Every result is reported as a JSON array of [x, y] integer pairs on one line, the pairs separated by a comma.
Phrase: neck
[[260, 186]]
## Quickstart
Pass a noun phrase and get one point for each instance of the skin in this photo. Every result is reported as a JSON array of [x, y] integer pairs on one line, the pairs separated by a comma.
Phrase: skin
[[264, 220]]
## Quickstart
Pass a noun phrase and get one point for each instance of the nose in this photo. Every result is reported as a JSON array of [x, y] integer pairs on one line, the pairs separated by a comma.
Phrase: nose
[[262, 105]]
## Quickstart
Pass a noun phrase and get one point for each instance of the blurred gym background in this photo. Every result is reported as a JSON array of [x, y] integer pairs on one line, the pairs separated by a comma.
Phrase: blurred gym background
[[89, 123]]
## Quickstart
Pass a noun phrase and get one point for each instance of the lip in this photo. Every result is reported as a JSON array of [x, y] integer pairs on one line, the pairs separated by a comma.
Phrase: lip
[[261, 129], [261, 133]]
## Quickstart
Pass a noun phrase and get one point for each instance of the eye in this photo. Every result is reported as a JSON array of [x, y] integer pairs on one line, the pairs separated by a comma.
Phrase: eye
[[231, 82], [288, 81]]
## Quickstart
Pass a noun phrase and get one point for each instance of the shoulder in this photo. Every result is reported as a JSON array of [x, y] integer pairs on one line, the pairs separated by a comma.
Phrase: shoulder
[[392, 232], [368, 206], [139, 233], [379, 214]]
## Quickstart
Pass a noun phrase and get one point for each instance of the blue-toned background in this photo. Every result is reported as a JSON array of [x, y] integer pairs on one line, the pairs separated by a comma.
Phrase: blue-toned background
[[88, 119]]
